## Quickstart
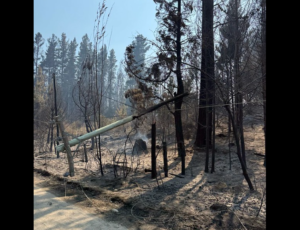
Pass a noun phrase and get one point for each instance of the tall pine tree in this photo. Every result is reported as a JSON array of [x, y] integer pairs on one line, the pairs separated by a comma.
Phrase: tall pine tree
[[37, 44], [85, 50], [70, 76], [102, 66], [50, 61], [111, 81], [62, 56]]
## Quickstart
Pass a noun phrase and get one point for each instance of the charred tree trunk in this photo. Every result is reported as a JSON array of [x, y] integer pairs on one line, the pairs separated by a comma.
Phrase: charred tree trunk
[[213, 132], [99, 155], [207, 74], [165, 158], [263, 67], [55, 107], [89, 129], [48, 135], [237, 80], [51, 137], [178, 102], [241, 128], [207, 129], [153, 146], [232, 93], [51, 131], [85, 153], [228, 96], [229, 152]]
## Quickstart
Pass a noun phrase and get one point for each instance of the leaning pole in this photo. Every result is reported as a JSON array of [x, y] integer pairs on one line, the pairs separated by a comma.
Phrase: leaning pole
[[96, 132]]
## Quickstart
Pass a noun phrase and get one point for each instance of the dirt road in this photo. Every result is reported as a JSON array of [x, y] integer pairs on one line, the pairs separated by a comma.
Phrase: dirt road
[[51, 212]]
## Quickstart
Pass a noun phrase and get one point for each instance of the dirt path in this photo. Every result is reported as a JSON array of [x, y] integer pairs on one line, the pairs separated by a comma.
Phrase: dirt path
[[78, 209], [52, 212]]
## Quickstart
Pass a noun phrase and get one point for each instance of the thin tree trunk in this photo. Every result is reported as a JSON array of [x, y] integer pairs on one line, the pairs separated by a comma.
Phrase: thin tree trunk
[[48, 135], [232, 92], [99, 155], [213, 131], [229, 152], [237, 80], [235, 134], [89, 129], [165, 158], [238, 87], [228, 96], [153, 145], [85, 153], [207, 129], [241, 128], [51, 131]]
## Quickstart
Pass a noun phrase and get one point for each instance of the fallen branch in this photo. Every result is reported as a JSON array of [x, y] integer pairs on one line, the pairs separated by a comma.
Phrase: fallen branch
[[261, 202], [239, 219], [86, 196]]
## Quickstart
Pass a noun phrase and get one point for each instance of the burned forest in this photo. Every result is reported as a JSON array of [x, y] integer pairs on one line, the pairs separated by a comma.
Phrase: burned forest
[[172, 136]]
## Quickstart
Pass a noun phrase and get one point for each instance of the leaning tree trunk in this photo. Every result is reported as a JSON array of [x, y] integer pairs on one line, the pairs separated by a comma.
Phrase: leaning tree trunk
[[237, 142]]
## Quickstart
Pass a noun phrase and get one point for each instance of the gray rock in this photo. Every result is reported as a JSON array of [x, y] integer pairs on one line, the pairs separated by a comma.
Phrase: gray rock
[[139, 146]]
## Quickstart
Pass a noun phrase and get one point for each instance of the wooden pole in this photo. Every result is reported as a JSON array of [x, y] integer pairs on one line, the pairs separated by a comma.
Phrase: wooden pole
[[207, 136], [153, 146], [55, 107], [96, 132], [85, 154], [165, 158], [66, 144], [213, 133], [241, 127]]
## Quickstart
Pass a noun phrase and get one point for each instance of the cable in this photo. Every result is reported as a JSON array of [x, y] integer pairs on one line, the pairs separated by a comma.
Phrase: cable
[[118, 101], [49, 122]]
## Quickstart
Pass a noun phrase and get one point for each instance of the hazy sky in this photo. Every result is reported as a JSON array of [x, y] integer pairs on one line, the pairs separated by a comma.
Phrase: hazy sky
[[77, 18]]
